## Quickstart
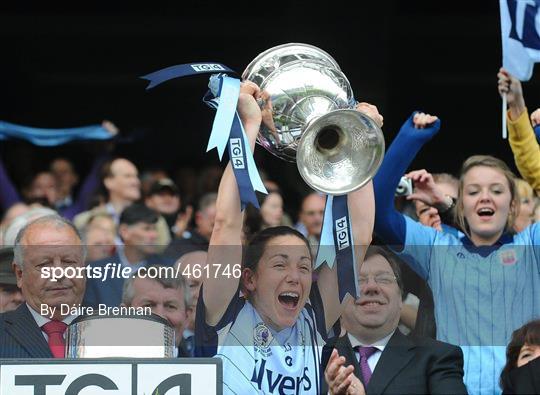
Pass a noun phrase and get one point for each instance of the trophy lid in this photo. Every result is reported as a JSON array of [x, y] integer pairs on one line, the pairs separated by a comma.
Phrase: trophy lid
[[97, 316], [278, 56], [120, 335]]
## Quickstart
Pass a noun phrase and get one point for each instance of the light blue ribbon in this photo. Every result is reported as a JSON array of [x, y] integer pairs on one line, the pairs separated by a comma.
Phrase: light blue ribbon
[[223, 96], [326, 252], [228, 92], [227, 129], [52, 137]]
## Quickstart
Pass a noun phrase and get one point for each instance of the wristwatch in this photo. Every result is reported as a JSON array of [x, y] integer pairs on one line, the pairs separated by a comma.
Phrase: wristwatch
[[449, 204]]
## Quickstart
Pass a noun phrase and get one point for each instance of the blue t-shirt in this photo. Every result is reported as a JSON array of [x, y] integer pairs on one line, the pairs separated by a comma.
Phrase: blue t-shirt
[[481, 294]]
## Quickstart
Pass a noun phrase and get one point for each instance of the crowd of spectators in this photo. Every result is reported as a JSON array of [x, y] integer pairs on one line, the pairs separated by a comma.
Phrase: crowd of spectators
[[454, 275]]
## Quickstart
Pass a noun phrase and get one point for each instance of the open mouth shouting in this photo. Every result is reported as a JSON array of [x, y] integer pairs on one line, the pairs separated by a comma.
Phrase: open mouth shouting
[[485, 213], [289, 300]]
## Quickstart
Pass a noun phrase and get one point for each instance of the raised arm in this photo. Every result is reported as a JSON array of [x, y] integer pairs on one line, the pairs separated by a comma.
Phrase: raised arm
[[431, 194], [225, 243], [520, 132], [415, 132], [86, 192], [361, 205], [92, 180]]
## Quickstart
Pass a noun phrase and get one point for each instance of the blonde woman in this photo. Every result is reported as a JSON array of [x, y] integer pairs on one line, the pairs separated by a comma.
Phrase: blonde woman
[[485, 279]]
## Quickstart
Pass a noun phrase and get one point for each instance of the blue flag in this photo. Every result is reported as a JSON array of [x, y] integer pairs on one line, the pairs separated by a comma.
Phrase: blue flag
[[520, 36]]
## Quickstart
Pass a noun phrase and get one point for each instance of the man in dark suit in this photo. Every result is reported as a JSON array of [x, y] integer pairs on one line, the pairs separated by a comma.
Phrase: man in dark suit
[[10, 295], [36, 329], [374, 357], [138, 231]]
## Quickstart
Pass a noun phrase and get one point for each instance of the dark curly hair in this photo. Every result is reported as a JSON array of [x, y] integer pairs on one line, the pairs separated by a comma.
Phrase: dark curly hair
[[257, 244], [527, 334]]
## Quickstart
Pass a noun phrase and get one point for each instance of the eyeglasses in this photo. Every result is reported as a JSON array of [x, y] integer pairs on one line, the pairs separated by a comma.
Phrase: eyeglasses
[[380, 279]]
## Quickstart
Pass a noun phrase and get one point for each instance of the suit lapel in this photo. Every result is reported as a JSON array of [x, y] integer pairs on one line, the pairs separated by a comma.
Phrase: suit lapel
[[110, 291], [23, 328], [395, 356], [346, 350]]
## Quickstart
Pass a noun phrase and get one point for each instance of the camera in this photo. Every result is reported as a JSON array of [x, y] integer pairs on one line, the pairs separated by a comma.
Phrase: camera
[[405, 187]]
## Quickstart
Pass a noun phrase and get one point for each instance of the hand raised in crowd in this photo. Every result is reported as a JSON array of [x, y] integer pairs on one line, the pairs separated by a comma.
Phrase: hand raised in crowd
[[341, 380], [371, 111], [514, 94], [109, 127], [109, 145], [182, 221], [535, 117], [426, 190], [422, 120]]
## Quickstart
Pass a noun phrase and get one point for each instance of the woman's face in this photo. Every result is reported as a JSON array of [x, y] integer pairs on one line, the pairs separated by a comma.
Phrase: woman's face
[[281, 284], [272, 209], [486, 203], [527, 353]]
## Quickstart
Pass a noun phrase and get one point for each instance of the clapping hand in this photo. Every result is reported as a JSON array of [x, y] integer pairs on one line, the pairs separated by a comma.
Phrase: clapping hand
[[340, 379]]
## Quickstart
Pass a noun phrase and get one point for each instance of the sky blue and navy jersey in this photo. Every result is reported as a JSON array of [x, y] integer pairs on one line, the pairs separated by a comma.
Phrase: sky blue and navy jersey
[[481, 294], [258, 360]]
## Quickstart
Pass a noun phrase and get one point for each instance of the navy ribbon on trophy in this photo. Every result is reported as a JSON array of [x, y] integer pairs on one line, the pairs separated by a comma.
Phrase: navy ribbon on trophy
[[337, 245], [52, 137], [227, 129], [183, 70]]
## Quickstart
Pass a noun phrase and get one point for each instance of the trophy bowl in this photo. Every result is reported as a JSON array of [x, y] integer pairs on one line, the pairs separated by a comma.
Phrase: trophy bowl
[[309, 118], [119, 336]]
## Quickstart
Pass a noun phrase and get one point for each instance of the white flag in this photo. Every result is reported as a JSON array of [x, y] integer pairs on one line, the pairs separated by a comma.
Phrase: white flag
[[520, 27]]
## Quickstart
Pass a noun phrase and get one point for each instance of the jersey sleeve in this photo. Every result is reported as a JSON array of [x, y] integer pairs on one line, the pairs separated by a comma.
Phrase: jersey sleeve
[[525, 149], [389, 223], [206, 336], [418, 248]]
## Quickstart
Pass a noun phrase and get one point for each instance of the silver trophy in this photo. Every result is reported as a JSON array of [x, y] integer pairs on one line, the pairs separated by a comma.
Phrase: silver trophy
[[120, 336], [309, 118]]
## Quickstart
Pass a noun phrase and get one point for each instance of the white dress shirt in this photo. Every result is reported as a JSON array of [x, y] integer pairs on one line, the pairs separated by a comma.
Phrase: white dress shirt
[[40, 321], [379, 345]]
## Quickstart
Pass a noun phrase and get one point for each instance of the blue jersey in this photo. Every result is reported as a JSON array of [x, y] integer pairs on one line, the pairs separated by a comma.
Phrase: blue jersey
[[481, 294], [258, 360]]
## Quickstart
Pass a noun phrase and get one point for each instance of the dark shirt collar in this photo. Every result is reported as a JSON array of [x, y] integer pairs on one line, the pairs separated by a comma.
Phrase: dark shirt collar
[[484, 251]]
